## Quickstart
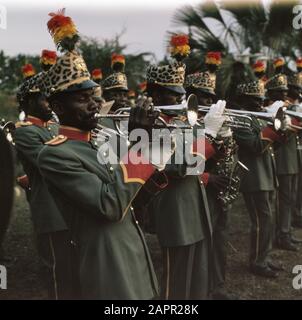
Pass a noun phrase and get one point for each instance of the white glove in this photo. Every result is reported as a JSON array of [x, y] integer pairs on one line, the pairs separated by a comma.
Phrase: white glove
[[214, 119], [286, 123], [273, 108], [299, 108], [225, 132], [159, 151]]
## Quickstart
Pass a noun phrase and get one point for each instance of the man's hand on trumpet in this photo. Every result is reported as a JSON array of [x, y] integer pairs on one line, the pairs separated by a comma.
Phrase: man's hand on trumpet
[[142, 116], [160, 150]]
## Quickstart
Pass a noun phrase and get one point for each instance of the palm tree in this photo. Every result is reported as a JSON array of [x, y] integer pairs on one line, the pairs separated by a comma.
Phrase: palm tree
[[242, 32]]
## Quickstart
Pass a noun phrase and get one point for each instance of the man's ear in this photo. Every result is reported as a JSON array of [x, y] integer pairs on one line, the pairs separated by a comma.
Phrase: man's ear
[[56, 106]]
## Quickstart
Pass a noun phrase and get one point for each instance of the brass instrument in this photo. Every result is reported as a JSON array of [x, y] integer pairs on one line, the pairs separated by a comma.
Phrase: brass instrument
[[189, 109], [8, 129], [274, 118], [231, 192], [295, 114]]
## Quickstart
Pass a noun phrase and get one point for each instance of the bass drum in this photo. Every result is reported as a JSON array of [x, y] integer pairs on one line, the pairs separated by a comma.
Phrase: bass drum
[[6, 184]]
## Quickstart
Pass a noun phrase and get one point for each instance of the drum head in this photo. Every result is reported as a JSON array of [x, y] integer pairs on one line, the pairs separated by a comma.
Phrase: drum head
[[6, 184]]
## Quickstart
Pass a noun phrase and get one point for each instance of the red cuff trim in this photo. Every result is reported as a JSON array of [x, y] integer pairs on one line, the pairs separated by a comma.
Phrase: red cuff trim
[[270, 135], [135, 172], [199, 144], [204, 178], [23, 181], [295, 121]]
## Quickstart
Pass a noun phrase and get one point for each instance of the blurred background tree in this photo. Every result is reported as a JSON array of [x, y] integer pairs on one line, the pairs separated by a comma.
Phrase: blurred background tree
[[243, 32]]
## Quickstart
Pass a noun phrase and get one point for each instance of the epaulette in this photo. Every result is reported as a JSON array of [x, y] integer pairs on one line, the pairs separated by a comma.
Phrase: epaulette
[[57, 140], [23, 124]]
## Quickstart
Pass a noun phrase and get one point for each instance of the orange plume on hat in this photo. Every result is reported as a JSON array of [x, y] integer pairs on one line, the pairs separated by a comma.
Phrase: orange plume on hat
[[97, 74], [62, 29], [48, 57], [259, 66], [117, 58], [28, 70], [180, 45], [213, 57], [278, 62], [299, 62], [143, 86]]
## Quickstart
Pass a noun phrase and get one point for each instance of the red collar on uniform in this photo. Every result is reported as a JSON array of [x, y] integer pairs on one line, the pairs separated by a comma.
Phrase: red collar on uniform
[[167, 118], [74, 133], [36, 121]]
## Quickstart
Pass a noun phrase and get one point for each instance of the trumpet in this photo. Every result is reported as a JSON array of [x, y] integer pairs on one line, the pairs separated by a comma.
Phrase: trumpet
[[189, 109], [242, 119], [296, 115], [8, 129]]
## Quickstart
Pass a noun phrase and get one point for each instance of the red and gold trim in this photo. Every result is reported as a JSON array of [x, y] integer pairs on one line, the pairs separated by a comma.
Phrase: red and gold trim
[[117, 58], [36, 121], [271, 135], [74, 133], [28, 70], [97, 74], [213, 57], [180, 45], [135, 172], [48, 57]]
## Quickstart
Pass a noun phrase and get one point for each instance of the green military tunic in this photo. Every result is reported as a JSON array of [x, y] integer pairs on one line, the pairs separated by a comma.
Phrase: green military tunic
[[30, 137], [183, 226], [258, 185], [297, 208], [182, 206], [95, 200], [258, 155]]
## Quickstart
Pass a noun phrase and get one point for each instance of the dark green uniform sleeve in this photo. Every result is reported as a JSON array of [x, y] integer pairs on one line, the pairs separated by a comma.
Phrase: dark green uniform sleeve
[[29, 144], [253, 140], [109, 199]]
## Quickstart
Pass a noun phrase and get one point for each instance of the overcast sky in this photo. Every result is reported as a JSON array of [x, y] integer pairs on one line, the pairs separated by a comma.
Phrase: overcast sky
[[145, 21]]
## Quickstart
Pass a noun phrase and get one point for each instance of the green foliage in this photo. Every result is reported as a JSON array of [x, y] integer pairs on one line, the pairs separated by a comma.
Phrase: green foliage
[[10, 70], [233, 27], [8, 107], [98, 55]]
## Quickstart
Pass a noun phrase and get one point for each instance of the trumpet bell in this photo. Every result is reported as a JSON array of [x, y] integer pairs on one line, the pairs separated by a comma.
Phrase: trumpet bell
[[192, 109]]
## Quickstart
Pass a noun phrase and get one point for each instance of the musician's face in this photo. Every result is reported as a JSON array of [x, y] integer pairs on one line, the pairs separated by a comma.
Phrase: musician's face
[[77, 109], [166, 97], [119, 96], [205, 99], [253, 103], [277, 95], [39, 107], [294, 93]]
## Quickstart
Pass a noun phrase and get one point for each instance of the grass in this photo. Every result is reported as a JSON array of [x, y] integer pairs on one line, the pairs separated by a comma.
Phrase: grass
[[23, 267]]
